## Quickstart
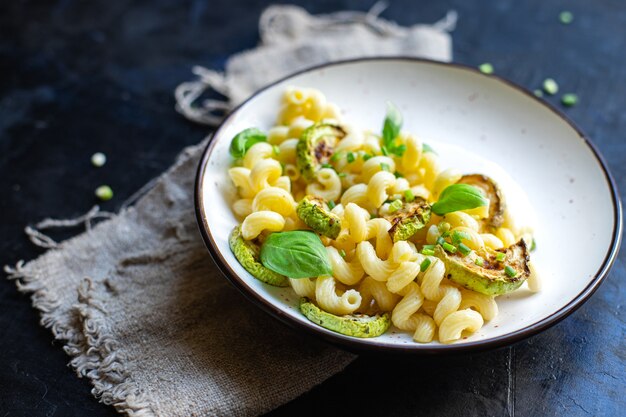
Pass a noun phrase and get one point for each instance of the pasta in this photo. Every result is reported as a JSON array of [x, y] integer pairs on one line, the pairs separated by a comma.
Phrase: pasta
[[386, 251]]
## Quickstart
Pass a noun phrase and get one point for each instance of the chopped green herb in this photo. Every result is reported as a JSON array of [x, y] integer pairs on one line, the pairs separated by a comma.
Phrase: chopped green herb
[[395, 206], [486, 68], [399, 150], [569, 99], [341, 174], [350, 157], [440, 240], [428, 252], [458, 237], [327, 166], [385, 167], [425, 264], [479, 261], [533, 245], [331, 204], [445, 234], [98, 159], [449, 247], [443, 227], [366, 156], [431, 247], [510, 271], [336, 156], [566, 17], [398, 174], [538, 93], [409, 196], [104, 193], [464, 249], [342, 253], [427, 148], [500, 256], [276, 150], [550, 86], [383, 150]]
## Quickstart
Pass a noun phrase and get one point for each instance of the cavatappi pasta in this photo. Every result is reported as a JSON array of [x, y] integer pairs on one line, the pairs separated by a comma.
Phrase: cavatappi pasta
[[378, 204]]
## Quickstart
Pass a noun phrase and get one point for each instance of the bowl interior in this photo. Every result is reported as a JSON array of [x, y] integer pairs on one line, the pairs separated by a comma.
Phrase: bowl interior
[[476, 123]]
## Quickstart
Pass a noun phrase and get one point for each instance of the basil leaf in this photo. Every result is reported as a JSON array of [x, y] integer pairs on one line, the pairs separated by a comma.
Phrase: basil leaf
[[296, 254], [458, 197], [427, 148], [244, 141], [392, 124]]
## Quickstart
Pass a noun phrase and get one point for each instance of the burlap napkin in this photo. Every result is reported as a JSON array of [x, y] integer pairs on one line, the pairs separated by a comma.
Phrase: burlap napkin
[[137, 301]]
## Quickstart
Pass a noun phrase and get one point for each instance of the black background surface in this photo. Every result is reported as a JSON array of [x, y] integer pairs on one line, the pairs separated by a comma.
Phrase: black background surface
[[80, 77]]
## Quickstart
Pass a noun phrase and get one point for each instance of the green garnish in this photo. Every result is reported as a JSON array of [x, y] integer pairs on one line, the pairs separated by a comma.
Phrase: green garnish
[[464, 249], [342, 253], [440, 240], [486, 68], [409, 196], [500, 256], [398, 174], [510, 271], [104, 193], [385, 167], [391, 130], [276, 150], [98, 159], [538, 93], [550, 86], [296, 254], [395, 206], [566, 17], [448, 247], [336, 156], [331, 204], [533, 245], [458, 237], [425, 264], [366, 156], [428, 252], [443, 227], [569, 99], [350, 157], [342, 174], [458, 197], [327, 166], [427, 148], [431, 247], [244, 141], [479, 261]]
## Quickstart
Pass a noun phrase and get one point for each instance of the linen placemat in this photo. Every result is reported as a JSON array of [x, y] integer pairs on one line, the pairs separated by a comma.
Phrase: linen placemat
[[138, 303]]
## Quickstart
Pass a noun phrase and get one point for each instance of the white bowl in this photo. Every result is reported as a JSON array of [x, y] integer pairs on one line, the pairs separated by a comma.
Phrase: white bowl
[[479, 123]]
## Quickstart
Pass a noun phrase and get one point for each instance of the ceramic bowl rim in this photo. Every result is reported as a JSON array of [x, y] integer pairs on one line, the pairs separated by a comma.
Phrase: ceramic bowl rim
[[356, 344]]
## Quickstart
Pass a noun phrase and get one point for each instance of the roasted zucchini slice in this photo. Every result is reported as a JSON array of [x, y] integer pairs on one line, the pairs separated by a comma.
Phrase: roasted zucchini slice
[[489, 276], [315, 148], [407, 220], [356, 325], [247, 253], [492, 192], [313, 211]]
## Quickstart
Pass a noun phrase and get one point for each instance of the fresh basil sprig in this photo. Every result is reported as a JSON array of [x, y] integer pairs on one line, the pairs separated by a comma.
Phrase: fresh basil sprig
[[296, 254], [458, 197], [391, 130], [244, 141]]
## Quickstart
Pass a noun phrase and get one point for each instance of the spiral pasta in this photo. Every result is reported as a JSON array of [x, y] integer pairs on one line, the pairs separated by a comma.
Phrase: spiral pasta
[[367, 187]]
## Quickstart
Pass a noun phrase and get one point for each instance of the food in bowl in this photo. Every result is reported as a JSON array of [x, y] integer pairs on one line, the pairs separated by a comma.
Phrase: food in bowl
[[368, 229]]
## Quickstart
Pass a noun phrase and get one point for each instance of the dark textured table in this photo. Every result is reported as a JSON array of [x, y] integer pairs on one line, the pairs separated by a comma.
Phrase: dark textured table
[[79, 77]]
